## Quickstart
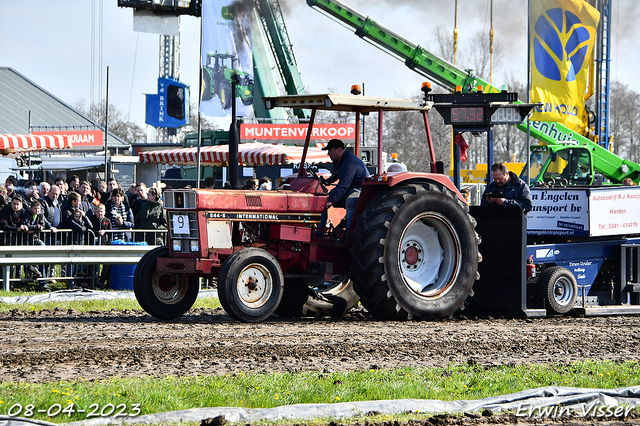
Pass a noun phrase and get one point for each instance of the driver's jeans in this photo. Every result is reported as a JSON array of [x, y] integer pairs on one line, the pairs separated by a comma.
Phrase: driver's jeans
[[348, 201]]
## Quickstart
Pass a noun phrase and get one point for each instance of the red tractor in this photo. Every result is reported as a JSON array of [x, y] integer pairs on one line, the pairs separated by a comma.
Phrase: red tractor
[[412, 251]]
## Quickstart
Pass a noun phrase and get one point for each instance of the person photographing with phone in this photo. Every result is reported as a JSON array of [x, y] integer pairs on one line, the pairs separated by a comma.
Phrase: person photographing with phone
[[507, 189]]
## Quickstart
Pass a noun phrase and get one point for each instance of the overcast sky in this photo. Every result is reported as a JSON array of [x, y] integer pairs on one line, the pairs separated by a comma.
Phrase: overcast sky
[[50, 44]]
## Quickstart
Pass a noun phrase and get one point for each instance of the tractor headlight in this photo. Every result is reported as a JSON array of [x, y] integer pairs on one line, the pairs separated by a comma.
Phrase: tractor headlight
[[194, 246], [177, 245]]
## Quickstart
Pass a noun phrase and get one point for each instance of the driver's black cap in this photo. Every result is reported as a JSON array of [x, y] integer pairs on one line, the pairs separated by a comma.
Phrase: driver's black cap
[[334, 143]]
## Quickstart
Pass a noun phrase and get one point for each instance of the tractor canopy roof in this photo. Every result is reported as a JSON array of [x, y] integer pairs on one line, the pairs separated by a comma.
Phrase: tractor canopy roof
[[337, 102]]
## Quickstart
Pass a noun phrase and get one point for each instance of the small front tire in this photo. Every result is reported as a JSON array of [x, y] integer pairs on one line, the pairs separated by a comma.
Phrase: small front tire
[[163, 295], [250, 285]]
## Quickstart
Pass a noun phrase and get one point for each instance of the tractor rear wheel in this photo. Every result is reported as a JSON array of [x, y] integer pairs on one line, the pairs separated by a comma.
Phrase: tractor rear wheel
[[317, 298], [163, 295], [415, 253], [250, 285], [225, 94], [206, 86]]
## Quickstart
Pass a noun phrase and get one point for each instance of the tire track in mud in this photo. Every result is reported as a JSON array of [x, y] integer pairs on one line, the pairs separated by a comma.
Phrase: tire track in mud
[[67, 345]]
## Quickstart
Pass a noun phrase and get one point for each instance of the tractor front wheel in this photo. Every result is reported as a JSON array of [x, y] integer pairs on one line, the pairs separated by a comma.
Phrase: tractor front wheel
[[415, 253], [163, 295], [250, 285]]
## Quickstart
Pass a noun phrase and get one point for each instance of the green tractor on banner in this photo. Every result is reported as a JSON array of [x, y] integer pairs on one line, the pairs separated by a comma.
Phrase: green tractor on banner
[[216, 80]]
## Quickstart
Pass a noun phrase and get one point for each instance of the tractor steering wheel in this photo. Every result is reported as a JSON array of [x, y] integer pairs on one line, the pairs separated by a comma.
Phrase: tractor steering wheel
[[316, 177]]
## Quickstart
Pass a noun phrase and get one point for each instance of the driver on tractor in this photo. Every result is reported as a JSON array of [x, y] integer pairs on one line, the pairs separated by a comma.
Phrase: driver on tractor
[[349, 171]]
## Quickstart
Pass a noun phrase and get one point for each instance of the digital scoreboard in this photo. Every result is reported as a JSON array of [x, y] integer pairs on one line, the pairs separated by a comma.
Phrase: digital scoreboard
[[478, 110], [467, 115]]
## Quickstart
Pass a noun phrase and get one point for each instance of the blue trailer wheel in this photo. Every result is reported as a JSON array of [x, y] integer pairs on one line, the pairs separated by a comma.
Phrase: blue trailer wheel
[[560, 287]]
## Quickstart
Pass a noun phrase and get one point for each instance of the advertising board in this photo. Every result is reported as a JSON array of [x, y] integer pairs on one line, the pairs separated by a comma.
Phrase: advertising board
[[558, 211], [614, 211], [81, 140], [584, 212], [296, 133]]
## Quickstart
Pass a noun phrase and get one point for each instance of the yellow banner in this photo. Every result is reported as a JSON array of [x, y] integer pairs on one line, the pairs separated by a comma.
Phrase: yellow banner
[[563, 35]]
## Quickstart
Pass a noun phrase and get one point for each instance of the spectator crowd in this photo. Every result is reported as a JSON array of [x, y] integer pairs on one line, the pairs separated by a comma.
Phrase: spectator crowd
[[89, 214], [70, 211]]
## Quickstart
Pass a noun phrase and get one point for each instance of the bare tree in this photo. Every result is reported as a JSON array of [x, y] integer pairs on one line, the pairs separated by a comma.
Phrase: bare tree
[[479, 55], [474, 54], [509, 142], [624, 117], [193, 126], [444, 41], [119, 123], [404, 134]]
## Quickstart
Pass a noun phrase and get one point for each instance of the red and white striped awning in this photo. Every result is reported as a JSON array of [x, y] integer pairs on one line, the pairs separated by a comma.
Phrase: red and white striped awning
[[22, 143], [249, 154]]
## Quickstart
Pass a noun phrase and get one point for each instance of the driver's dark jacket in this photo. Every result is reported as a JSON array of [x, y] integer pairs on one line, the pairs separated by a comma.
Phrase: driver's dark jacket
[[515, 193], [351, 171]]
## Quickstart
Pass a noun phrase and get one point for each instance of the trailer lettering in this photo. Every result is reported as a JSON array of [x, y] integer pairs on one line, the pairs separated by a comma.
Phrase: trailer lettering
[[581, 263], [550, 208], [610, 197], [555, 197]]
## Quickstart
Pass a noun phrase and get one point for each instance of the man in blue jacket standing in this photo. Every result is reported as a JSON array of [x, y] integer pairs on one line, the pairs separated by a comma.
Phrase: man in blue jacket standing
[[507, 189], [349, 171]]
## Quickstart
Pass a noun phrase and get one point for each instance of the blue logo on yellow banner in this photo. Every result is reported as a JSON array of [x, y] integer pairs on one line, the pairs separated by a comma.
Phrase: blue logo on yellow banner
[[564, 25], [562, 39]]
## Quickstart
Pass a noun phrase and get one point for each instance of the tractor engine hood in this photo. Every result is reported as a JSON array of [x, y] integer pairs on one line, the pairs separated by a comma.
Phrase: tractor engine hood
[[258, 201]]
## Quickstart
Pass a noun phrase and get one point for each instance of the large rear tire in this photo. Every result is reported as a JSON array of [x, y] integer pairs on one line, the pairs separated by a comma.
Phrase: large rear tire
[[163, 295], [206, 86], [415, 253], [317, 298], [250, 285], [225, 95]]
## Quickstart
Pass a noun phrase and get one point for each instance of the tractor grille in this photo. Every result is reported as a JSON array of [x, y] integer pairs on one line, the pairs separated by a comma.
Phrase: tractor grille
[[253, 200], [184, 230]]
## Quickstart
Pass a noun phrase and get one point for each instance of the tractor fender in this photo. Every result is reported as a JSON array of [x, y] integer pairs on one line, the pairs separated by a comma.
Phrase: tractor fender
[[370, 187]]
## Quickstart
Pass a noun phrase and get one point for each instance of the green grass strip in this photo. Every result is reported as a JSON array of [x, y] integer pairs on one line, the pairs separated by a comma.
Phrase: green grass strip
[[89, 305], [153, 395]]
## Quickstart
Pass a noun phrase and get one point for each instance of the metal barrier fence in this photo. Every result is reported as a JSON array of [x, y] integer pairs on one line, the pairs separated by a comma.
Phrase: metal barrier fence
[[72, 257]]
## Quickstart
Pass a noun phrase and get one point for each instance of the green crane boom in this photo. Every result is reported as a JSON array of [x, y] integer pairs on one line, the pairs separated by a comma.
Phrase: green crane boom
[[449, 76], [277, 35]]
